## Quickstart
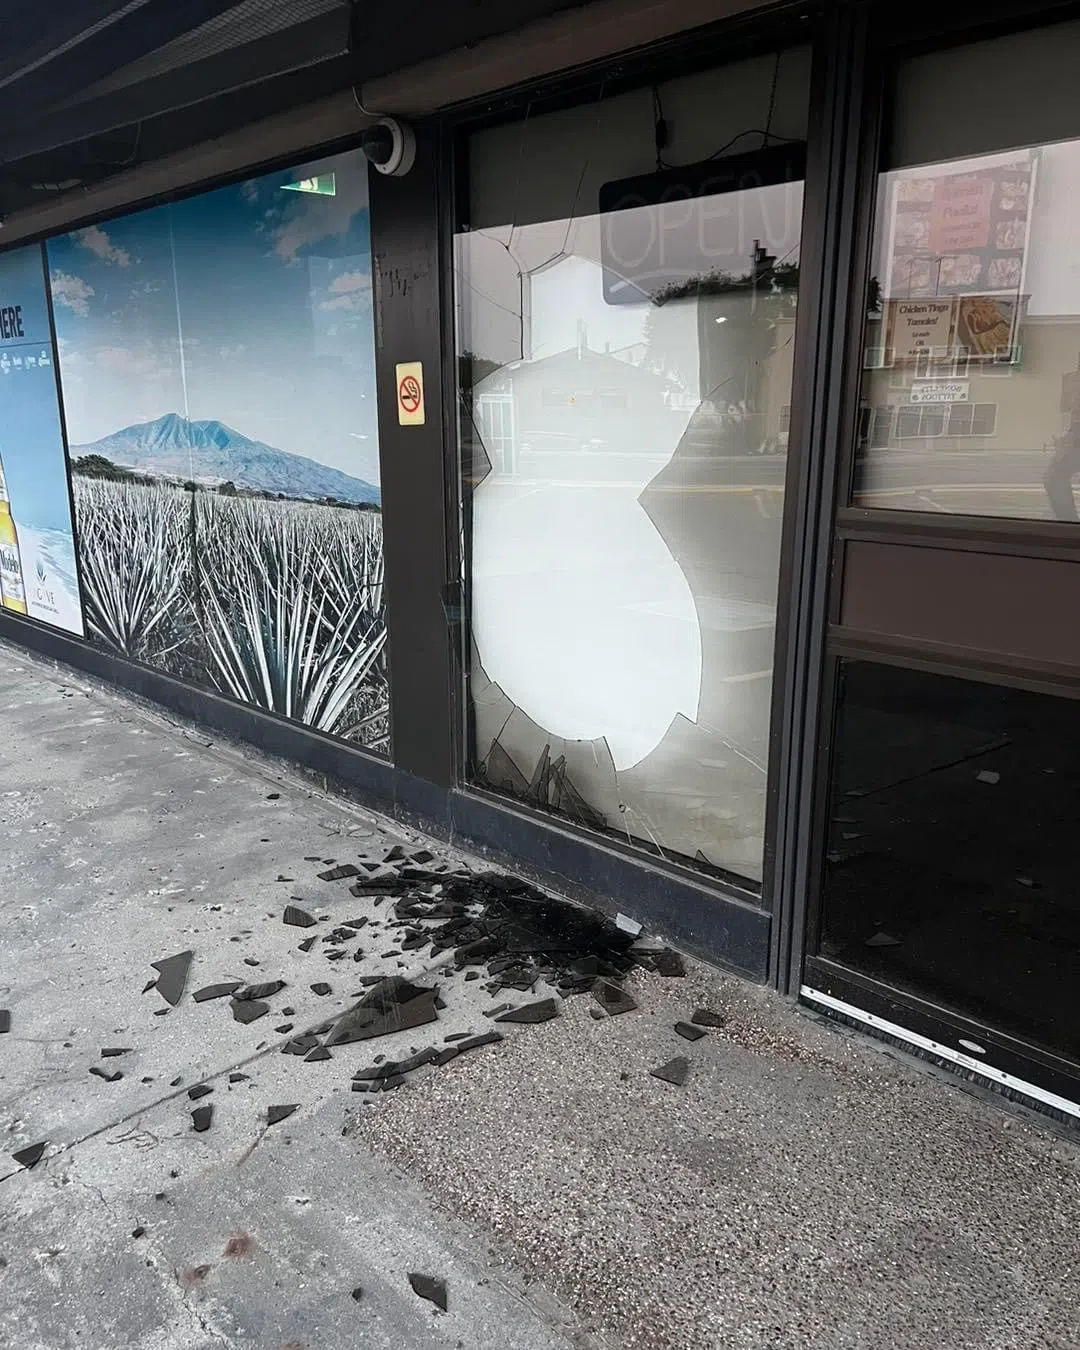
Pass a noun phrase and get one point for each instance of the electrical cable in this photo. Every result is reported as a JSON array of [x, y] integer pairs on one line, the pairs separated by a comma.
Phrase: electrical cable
[[660, 128], [662, 131]]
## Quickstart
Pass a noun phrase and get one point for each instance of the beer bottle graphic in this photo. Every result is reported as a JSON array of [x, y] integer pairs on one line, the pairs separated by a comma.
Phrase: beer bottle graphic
[[12, 590]]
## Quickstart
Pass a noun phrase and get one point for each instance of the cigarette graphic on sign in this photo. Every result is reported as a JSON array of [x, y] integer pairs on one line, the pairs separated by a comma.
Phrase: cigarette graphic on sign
[[410, 393]]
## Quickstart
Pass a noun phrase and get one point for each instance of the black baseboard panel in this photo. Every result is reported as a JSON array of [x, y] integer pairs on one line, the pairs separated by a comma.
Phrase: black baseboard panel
[[724, 929], [702, 920]]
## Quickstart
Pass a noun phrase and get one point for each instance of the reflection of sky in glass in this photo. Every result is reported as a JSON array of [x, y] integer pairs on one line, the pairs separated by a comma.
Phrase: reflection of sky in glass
[[270, 291]]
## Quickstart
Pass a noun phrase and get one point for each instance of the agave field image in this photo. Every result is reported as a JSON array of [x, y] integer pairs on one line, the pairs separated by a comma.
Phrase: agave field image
[[273, 602]]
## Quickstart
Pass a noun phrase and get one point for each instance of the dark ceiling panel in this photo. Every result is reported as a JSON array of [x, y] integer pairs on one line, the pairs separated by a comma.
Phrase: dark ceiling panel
[[30, 32], [244, 22], [387, 36], [169, 135], [309, 44], [149, 78], [128, 38]]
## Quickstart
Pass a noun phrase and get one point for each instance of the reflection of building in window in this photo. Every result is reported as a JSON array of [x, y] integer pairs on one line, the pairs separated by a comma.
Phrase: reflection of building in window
[[623, 405], [585, 402], [495, 415], [929, 420], [972, 419], [879, 429], [785, 419]]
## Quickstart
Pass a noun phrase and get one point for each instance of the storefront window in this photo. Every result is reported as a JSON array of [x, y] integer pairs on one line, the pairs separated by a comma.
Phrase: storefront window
[[971, 380], [217, 367], [627, 282]]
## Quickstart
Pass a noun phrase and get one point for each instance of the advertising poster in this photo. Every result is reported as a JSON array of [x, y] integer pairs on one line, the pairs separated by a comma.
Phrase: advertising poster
[[958, 237], [918, 328], [37, 550], [217, 360]]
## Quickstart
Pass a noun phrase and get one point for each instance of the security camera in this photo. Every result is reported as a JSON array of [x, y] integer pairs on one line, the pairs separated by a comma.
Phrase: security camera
[[390, 146]]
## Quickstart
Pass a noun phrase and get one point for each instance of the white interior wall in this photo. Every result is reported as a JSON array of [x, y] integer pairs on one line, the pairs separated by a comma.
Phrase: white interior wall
[[985, 96]]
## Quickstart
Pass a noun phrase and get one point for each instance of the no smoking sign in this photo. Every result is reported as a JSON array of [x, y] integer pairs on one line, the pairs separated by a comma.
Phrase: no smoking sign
[[410, 393]]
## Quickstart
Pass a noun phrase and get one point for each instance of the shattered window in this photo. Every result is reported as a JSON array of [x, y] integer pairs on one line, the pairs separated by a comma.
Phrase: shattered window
[[626, 289]]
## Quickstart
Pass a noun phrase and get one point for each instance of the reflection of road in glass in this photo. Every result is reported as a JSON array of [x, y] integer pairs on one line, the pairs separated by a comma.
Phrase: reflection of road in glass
[[980, 482], [618, 467]]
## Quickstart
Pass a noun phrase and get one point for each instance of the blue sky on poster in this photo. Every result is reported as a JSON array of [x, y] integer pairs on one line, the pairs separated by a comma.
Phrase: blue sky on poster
[[250, 304], [31, 443]]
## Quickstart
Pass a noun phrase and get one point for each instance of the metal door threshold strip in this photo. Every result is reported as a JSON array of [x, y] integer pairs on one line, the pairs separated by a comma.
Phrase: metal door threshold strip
[[957, 1057]]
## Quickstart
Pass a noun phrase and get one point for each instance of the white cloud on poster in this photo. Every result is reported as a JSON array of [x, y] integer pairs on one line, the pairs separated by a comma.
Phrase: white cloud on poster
[[351, 290], [355, 301], [310, 219], [111, 385], [128, 361], [72, 292], [350, 281], [101, 246]]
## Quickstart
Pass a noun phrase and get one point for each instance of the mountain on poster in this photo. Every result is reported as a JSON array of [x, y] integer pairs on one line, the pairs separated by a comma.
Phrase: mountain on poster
[[210, 452]]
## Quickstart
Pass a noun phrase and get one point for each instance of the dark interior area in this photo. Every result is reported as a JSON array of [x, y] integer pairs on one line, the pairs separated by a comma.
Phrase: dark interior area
[[954, 846]]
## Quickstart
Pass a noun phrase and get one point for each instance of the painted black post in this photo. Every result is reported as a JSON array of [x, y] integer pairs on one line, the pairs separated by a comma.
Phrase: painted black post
[[405, 215], [834, 228]]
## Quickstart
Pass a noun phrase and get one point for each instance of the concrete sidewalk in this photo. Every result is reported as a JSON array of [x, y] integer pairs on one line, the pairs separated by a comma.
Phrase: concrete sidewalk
[[802, 1188]]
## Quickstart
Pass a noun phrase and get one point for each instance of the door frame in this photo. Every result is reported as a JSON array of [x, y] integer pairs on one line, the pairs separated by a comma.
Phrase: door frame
[[723, 905], [880, 37]]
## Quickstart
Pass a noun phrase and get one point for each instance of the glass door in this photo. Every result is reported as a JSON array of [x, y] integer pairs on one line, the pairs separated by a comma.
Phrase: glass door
[[949, 908]]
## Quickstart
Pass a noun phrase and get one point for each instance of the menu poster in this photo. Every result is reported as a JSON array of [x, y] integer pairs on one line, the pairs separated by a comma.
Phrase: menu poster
[[952, 330], [962, 232], [918, 328], [986, 325], [37, 549]]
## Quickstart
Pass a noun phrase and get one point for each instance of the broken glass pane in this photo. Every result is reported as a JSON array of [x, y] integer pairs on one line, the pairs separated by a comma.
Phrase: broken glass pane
[[626, 325]]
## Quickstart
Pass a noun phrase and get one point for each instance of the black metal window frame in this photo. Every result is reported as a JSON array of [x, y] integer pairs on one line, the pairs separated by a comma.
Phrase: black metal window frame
[[708, 912]]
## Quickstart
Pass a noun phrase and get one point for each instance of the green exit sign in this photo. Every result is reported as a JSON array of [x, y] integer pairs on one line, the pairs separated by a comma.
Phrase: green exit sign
[[323, 185]]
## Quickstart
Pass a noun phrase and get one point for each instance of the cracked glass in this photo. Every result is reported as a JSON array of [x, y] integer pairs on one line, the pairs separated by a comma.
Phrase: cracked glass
[[626, 289]]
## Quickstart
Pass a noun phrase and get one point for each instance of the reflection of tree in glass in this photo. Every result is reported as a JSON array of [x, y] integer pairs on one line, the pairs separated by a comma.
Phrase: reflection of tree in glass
[[741, 321], [472, 369]]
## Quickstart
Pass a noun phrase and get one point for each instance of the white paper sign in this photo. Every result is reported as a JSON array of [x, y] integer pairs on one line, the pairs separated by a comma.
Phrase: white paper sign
[[940, 391]]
